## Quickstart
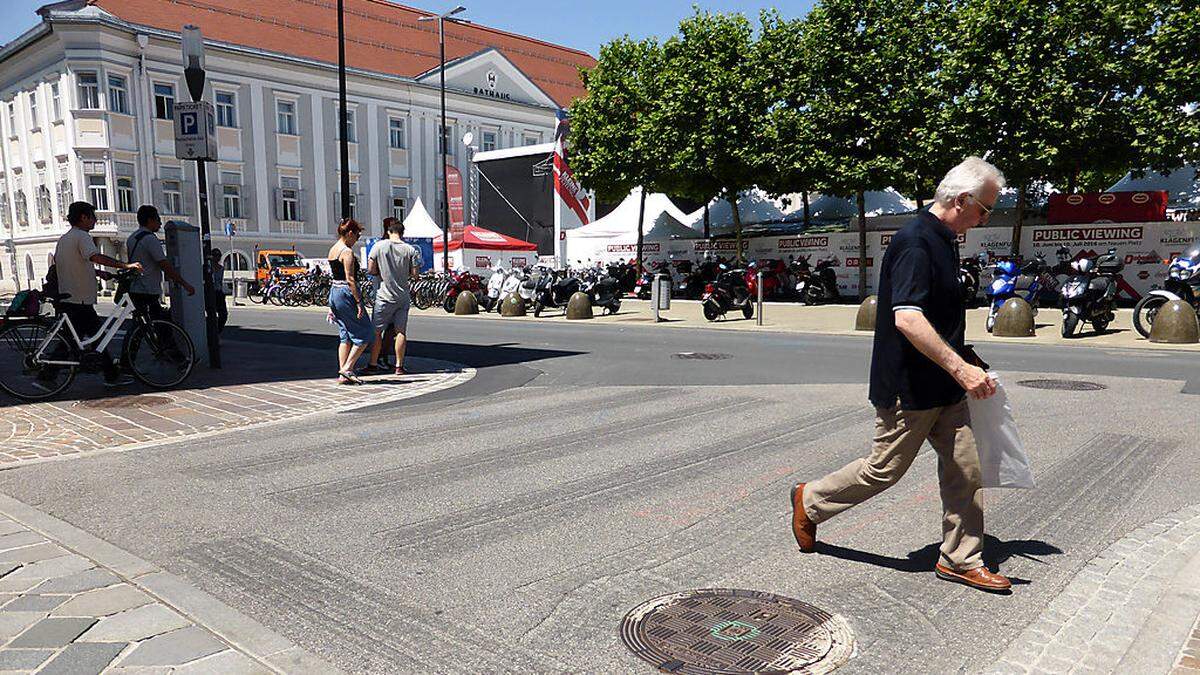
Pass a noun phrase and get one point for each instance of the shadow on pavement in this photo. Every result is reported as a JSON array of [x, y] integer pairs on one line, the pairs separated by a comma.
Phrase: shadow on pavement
[[995, 554]]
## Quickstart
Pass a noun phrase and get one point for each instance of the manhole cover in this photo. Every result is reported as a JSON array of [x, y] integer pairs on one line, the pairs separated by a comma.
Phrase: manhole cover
[[134, 401], [702, 356], [1066, 385], [723, 630]]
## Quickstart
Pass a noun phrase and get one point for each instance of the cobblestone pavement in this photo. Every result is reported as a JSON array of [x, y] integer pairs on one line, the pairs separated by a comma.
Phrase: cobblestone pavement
[[70, 603], [35, 432], [1128, 611]]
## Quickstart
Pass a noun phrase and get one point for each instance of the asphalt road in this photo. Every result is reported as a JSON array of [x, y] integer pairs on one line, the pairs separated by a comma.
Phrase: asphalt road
[[509, 524]]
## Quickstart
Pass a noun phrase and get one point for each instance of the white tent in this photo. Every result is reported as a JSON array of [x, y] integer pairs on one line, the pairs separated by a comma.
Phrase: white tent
[[418, 224], [615, 235], [1182, 186]]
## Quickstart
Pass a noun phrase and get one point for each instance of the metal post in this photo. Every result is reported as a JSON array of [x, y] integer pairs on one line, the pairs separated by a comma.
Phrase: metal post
[[229, 271], [760, 297], [443, 142], [343, 115]]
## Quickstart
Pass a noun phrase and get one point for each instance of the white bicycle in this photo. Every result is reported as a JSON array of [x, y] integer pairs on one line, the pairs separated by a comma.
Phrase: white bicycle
[[39, 355]]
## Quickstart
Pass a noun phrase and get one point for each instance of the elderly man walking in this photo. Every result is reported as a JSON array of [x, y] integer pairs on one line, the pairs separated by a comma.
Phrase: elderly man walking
[[921, 373]]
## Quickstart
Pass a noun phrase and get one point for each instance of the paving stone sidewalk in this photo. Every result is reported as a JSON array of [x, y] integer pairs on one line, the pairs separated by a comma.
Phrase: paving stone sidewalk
[[1132, 609], [259, 384], [71, 603]]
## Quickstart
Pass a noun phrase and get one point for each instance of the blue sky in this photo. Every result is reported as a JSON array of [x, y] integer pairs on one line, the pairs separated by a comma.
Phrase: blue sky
[[583, 24]]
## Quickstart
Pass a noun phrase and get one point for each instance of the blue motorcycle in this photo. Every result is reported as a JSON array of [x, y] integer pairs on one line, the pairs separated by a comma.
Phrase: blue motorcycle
[[1011, 280]]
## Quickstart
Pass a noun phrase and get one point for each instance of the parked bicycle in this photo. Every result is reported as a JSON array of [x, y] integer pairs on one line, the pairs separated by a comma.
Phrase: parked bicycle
[[40, 355]]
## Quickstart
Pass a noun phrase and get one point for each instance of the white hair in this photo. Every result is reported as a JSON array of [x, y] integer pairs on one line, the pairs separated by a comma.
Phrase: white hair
[[969, 177]]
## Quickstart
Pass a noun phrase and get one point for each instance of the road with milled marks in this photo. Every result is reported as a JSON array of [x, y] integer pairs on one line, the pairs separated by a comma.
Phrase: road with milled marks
[[509, 524]]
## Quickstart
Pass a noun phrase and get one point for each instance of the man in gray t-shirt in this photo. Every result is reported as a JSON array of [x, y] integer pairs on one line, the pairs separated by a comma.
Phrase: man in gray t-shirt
[[397, 264], [143, 246]]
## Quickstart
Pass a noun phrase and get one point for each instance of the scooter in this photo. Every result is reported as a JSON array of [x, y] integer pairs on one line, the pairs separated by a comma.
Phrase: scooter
[[495, 287], [1010, 280], [646, 281], [603, 290], [690, 285], [821, 286], [1183, 283], [1091, 295], [727, 293], [554, 289], [772, 277]]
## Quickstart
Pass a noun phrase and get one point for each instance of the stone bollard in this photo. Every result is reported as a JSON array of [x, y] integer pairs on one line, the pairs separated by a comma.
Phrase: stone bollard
[[1175, 324], [579, 306], [866, 314], [513, 305], [466, 304], [1014, 319]]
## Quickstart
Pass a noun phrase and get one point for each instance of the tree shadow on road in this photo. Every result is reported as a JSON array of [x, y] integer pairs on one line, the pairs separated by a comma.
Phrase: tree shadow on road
[[995, 553]]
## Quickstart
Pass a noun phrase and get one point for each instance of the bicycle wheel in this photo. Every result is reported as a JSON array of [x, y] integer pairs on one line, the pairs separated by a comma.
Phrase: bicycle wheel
[[255, 294], [274, 296], [159, 353], [20, 374]]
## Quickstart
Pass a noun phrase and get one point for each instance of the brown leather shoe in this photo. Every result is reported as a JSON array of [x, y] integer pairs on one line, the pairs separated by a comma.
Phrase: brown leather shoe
[[980, 578], [803, 529]]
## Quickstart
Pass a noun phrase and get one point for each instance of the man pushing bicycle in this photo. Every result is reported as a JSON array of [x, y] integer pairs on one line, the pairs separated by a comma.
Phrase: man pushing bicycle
[[75, 257]]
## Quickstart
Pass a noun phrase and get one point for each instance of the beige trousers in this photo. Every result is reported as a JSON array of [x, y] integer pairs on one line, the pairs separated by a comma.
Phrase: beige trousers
[[898, 436]]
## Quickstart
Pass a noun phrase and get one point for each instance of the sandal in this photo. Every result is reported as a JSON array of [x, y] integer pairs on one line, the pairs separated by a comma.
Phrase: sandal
[[349, 378]]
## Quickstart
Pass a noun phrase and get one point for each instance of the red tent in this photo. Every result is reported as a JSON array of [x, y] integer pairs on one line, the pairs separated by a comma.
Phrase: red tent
[[480, 238]]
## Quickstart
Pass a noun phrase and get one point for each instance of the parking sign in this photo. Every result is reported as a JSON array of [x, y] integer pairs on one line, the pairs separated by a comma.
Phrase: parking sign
[[195, 131]]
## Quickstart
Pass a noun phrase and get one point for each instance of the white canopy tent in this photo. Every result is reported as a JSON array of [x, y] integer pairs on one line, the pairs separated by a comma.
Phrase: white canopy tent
[[615, 235], [1182, 187], [418, 224]]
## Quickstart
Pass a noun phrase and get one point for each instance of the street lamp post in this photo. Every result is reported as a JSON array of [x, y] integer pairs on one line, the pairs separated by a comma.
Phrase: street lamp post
[[443, 140], [193, 73], [343, 114]]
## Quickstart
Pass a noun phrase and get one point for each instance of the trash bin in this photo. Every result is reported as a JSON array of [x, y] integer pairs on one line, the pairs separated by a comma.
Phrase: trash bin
[[241, 288]]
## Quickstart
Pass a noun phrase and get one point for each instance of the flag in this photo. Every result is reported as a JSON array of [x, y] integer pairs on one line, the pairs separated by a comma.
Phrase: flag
[[564, 181]]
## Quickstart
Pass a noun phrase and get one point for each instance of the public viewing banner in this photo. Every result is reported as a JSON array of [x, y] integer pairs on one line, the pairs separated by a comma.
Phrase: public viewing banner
[[1107, 207], [1143, 246]]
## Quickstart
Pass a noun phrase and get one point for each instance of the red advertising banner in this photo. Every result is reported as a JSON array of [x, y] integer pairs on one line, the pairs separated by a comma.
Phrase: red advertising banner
[[454, 186], [1107, 207]]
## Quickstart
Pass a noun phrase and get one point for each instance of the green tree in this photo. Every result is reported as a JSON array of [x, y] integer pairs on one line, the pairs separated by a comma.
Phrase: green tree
[[612, 139], [709, 119]]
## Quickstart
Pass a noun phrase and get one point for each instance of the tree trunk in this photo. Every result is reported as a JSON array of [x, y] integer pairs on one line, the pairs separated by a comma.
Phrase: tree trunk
[[706, 220], [737, 226], [804, 199], [1020, 221], [862, 246], [641, 216]]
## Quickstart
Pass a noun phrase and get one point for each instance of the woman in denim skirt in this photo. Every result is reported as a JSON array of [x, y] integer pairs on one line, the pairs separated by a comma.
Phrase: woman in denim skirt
[[345, 302]]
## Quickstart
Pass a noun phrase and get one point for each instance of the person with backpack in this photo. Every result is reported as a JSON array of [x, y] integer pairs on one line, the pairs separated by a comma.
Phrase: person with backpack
[[75, 258], [144, 247]]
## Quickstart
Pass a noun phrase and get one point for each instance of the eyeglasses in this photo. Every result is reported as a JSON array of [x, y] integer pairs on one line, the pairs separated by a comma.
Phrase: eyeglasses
[[987, 211]]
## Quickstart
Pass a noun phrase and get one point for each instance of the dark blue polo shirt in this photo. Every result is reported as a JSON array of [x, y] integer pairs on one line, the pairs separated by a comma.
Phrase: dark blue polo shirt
[[919, 270]]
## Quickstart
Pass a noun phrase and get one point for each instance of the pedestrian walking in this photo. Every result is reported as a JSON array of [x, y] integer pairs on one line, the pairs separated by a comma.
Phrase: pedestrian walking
[[921, 372], [145, 248], [75, 257], [220, 303], [345, 302], [397, 265]]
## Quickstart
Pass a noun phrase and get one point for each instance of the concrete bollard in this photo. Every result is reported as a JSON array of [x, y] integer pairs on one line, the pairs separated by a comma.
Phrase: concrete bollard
[[1014, 319], [866, 314], [1175, 324], [579, 306], [466, 304], [513, 305]]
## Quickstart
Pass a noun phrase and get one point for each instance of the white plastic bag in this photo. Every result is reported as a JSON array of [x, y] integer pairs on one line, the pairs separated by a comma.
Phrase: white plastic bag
[[1002, 459]]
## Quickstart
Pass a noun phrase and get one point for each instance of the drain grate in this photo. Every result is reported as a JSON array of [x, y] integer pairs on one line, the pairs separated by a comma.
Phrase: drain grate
[[702, 356], [721, 630], [133, 401], [1062, 385]]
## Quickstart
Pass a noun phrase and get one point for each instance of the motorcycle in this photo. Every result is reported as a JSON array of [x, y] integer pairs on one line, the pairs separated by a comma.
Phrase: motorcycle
[[690, 285], [1183, 283], [969, 272], [773, 272], [1010, 280], [462, 282], [554, 289], [1090, 295], [625, 274], [727, 293]]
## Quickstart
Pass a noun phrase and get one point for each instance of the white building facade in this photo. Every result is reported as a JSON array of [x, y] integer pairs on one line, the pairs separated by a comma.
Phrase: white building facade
[[86, 107]]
